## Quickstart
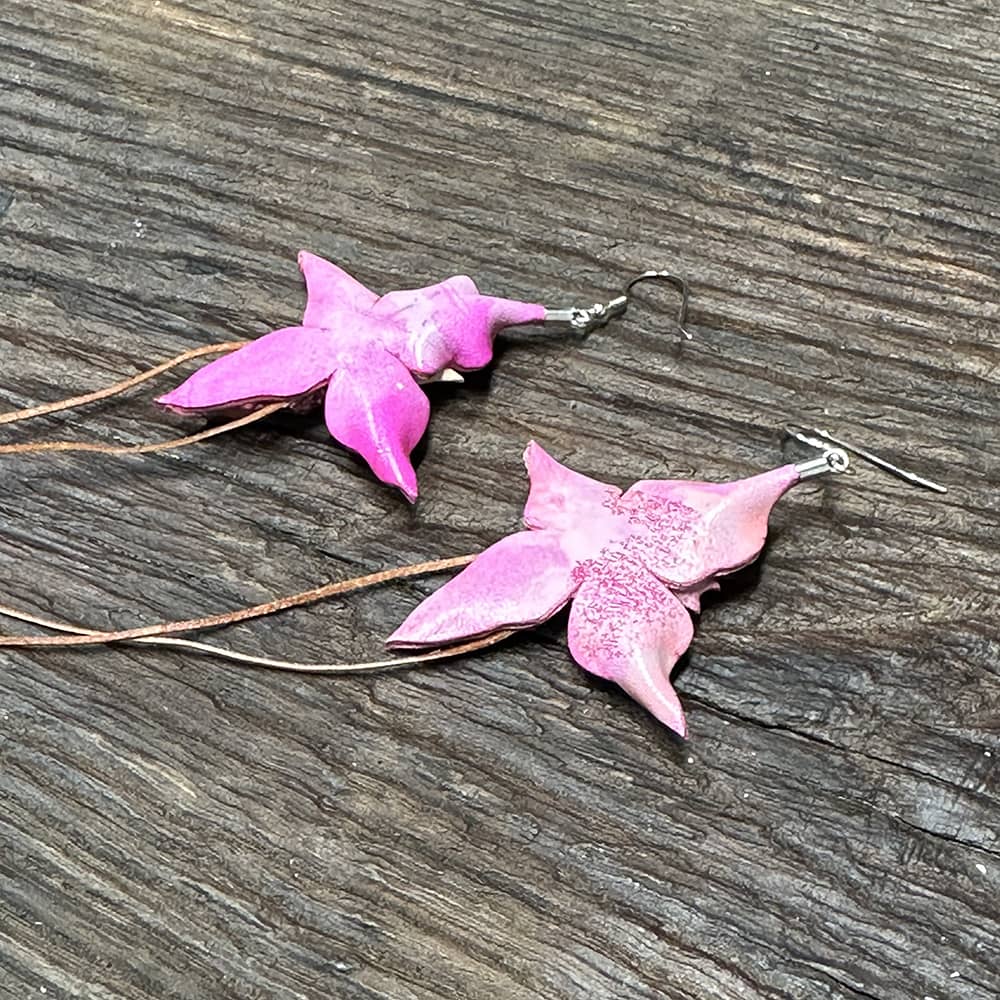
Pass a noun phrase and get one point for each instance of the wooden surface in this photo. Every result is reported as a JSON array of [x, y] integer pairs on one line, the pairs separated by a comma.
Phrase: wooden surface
[[826, 176]]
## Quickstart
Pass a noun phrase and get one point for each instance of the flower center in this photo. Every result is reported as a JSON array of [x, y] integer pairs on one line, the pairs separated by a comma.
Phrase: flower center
[[667, 521]]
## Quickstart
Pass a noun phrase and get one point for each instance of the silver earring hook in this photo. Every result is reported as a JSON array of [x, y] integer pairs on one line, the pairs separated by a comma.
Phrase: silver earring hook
[[584, 319], [677, 282], [823, 439]]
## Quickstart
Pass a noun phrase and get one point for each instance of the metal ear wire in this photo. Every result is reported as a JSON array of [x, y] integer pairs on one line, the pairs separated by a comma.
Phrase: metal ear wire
[[816, 438], [587, 318], [677, 282]]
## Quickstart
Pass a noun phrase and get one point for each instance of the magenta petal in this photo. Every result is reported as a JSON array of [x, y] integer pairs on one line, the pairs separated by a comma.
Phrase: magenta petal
[[629, 628], [560, 498], [280, 365], [687, 532], [447, 325], [374, 406], [472, 331], [414, 330], [509, 312], [520, 581], [332, 293]]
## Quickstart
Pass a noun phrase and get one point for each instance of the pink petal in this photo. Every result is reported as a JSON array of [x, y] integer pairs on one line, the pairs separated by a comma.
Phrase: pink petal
[[688, 532], [280, 365], [448, 324], [374, 406], [520, 581], [332, 293], [628, 627], [472, 332], [502, 313], [562, 499], [413, 329]]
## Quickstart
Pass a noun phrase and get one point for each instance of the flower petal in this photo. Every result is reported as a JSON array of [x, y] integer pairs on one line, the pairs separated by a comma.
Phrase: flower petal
[[520, 581], [374, 406], [332, 293], [283, 364], [502, 313], [560, 498], [687, 532], [415, 323], [448, 324], [629, 628]]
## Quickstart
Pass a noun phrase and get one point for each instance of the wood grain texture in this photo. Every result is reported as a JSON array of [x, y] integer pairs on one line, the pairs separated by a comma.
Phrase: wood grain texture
[[826, 176]]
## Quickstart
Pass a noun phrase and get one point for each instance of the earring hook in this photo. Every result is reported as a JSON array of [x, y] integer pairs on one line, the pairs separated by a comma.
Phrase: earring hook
[[584, 319], [671, 279], [816, 438]]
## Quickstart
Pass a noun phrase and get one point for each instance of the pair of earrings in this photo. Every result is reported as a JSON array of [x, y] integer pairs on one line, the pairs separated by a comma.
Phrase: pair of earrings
[[633, 564]]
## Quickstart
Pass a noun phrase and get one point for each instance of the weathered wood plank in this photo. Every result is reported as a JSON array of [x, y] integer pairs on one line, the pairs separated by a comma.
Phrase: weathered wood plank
[[826, 177]]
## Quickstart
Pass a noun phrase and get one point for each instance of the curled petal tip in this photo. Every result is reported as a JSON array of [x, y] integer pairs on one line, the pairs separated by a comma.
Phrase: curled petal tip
[[174, 398], [658, 697], [396, 471], [532, 449], [307, 261], [509, 312]]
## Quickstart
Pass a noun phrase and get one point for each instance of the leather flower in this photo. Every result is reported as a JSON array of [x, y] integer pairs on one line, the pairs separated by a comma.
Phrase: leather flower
[[368, 352], [634, 564]]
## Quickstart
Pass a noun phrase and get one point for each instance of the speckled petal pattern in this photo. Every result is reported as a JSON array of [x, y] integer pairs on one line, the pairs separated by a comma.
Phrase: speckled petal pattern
[[629, 628], [635, 565]]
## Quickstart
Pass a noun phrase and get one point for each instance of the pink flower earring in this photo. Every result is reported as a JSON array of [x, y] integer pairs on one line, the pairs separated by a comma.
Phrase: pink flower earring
[[362, 355], [633, 564]]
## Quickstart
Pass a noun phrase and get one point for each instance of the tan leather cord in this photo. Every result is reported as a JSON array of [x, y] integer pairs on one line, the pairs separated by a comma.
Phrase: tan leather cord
[[272, 664], [157, 634], [140, 449], [119, 387], [95, 638]]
